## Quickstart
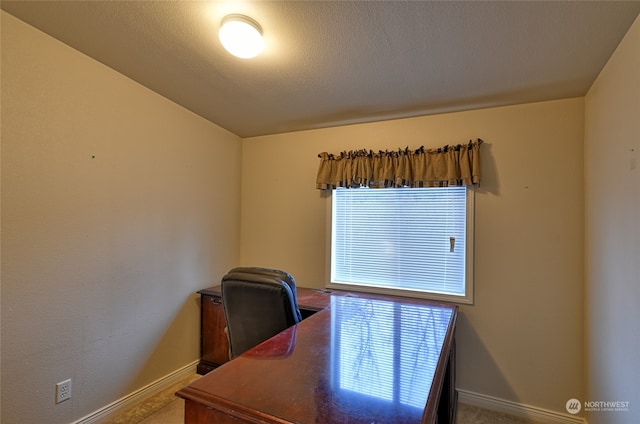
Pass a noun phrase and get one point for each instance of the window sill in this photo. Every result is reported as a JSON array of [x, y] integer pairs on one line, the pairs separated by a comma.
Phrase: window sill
[[439, 297]]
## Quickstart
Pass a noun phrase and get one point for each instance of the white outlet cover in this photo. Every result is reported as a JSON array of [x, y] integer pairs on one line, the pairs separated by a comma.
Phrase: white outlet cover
[[63, 391]]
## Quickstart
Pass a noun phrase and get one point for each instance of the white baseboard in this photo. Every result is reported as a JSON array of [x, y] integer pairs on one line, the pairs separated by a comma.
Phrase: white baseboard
[[539, 415], [139, 395]]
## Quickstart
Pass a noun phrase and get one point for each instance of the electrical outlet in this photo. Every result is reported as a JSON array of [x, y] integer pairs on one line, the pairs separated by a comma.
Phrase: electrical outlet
[[63, 390]]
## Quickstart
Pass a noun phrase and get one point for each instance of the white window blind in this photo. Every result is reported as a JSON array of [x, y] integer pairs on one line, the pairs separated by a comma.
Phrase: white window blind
[[408, 239]]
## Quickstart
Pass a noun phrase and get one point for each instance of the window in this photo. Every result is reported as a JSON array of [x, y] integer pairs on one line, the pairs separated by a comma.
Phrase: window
[[415, 240]]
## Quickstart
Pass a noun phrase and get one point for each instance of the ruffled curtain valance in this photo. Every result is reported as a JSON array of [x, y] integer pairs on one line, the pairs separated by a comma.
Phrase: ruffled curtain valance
[[446, 166]]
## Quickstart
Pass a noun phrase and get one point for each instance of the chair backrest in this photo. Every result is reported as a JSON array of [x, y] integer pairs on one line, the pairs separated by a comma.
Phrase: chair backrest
[[282, 275], [257, 307]]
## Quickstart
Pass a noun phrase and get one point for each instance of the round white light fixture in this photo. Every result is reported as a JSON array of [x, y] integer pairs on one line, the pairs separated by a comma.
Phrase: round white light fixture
[[241, 36]]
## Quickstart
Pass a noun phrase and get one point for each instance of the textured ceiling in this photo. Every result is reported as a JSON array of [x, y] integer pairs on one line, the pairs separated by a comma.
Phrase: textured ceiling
[[330, 63]]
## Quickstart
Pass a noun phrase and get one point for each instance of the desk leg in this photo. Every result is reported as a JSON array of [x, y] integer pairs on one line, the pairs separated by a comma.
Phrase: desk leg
[[449, 396]]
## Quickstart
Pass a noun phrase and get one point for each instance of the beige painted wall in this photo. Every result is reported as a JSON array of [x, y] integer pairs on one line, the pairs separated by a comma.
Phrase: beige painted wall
[[117, 206], [613, 233], [522, 340]]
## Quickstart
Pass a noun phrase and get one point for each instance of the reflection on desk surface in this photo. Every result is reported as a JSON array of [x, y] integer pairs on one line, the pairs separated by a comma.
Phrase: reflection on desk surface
[[385, 349], [361, 360]]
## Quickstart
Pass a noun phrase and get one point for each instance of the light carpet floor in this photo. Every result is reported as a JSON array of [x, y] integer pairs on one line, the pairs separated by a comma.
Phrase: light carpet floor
[[163, 408]]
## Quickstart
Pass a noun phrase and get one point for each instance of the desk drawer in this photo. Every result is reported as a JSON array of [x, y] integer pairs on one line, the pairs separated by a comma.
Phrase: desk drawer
[[214, 346]]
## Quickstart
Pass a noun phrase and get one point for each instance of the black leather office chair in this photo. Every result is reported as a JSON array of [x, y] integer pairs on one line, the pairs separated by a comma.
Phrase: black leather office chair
[[258, 304]]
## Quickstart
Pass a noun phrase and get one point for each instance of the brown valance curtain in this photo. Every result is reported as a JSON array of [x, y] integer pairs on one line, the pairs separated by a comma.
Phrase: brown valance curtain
[[446, 166]]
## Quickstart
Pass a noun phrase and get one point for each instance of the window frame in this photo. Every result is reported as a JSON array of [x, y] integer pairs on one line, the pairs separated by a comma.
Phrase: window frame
[[467, 298]]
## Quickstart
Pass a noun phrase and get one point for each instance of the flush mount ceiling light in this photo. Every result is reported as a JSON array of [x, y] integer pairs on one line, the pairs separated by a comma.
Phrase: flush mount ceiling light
[[241, 36]]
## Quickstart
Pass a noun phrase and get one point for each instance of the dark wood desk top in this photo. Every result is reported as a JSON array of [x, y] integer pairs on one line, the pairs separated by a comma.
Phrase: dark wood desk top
[[360, 359]]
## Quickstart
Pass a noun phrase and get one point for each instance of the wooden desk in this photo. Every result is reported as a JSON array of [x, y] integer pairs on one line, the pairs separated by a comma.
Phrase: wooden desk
[[361, 359]]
